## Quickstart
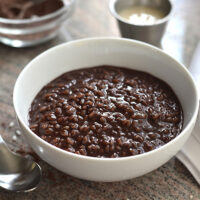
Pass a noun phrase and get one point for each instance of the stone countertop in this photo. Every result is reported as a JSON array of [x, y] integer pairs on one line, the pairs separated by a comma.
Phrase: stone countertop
[[92, 19]]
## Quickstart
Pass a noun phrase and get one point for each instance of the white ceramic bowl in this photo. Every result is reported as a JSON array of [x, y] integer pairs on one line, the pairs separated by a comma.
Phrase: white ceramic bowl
[[93, 52]]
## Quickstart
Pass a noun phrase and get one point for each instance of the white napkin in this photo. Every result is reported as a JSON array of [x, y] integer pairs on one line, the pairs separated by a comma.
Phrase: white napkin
[[190, 153]]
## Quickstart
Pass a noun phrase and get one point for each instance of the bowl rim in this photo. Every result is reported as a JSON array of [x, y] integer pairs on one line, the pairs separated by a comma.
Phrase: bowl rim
[[58, 12], [157, 22], [96, 159]]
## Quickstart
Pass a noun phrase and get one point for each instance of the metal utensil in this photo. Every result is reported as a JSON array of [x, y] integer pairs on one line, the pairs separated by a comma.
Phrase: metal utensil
[[16, 172], [189, 154], [150, 33]]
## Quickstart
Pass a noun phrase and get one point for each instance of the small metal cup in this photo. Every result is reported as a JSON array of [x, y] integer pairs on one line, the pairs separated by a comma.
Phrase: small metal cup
[[147, 33]]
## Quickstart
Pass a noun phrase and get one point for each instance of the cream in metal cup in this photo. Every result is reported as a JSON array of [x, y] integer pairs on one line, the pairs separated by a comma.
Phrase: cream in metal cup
[[147, 32]]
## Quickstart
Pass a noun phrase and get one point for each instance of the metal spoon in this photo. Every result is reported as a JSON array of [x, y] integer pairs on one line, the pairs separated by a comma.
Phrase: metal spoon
[[16, 172]]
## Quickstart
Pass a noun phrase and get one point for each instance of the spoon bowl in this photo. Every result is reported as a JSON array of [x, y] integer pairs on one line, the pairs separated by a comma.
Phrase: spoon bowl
[[17, 173]]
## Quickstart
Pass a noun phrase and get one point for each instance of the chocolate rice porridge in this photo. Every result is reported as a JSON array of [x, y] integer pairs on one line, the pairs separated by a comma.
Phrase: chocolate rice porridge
[[106, 111]]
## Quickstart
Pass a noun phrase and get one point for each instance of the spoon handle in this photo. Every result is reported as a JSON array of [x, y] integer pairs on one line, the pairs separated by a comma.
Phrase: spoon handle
[[2, 143], [3, 147]]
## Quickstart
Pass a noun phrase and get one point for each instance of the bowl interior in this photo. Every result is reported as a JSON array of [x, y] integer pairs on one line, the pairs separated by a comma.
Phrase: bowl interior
[[94, 52], [162, 5], [68, 5]]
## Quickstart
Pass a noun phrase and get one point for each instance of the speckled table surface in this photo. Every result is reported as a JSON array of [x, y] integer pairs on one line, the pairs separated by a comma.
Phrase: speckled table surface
[[92, 18]]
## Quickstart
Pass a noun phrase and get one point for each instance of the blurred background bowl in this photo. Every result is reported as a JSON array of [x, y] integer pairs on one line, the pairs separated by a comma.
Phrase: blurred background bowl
[[36, 30], [139, 30]]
